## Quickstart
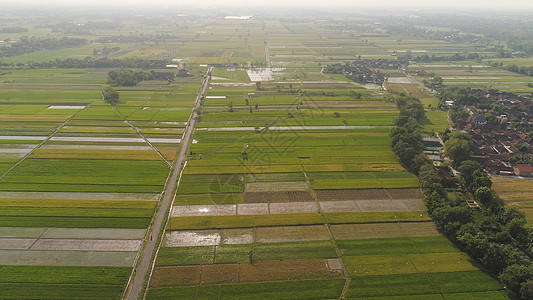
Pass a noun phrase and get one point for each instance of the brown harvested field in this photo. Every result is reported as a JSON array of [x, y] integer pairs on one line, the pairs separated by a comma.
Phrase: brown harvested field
[[300, 269], [291, 234], [405, 193], [175, 276], [220, 274], [517, 198], [286, 270], [277, 197], [383, 230], [516, 192], [504, 184], [169, 154], [419, 229]]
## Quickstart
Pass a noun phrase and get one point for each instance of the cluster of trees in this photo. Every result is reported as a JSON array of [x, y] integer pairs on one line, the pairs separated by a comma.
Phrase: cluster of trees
[[461, 96], [90, 62], [111, 96], [434, 82], [456, 57], [406, 136], [494, 234], [515, 33], [458, 146], [360, 71], [400, 26], [335, 68], [16, 29], [126, 77], [514, 68], [32, 44]]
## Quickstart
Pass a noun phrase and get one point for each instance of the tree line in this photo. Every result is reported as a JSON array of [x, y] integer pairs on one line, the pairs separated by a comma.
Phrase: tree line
[[127, 77], [32, 44], [89, 62], [524, 70]]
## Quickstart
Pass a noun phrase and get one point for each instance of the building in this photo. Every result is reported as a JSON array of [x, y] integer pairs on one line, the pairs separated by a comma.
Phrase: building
[[524, 170], [480, 120], [183, 73]]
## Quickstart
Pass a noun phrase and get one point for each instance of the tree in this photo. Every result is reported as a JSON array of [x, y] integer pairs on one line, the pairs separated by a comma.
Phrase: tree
[[485, 196], [429, 181], [413, 109], [460, 135], [526, 290], [467, 169], [480, 179], [458, 149], [510, 214], [126, 77], [434, 201], [450, 219], [500, 256], [110, 95], [514, 275], [475, 244]]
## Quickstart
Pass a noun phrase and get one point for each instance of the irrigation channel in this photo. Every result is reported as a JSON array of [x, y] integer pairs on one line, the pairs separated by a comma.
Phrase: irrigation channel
[[143, 267]]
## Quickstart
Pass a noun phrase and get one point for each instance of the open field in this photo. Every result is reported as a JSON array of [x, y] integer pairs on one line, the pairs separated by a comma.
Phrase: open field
[[306, 289], [243, 272], [32, 282], [291, 189], [516, 192]]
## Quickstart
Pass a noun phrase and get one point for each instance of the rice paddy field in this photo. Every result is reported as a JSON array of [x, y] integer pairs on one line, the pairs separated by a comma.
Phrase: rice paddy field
[[290, 190], [291, 187], [79, 185], [477, 75]]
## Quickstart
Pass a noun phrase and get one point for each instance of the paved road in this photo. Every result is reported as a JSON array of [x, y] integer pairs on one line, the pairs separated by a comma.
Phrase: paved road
[[134, 287]]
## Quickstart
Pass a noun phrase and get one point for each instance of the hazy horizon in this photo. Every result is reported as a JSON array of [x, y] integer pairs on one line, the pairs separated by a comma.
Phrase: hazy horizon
[[451, 4]]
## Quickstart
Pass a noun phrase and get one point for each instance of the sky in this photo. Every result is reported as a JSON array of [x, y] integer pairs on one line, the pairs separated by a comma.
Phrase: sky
[[507, 4]]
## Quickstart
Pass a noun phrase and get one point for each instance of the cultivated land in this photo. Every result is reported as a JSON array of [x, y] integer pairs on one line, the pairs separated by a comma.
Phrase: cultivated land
[[291, 189]]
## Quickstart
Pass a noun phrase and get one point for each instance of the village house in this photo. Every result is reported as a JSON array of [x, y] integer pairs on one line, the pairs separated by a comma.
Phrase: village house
[[524, 170]]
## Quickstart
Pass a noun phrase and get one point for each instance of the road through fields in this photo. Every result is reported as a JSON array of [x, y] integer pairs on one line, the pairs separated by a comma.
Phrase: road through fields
[[135, 285]]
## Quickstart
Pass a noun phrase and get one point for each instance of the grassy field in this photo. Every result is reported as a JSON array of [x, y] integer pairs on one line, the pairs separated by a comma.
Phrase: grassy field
[[516, 192]]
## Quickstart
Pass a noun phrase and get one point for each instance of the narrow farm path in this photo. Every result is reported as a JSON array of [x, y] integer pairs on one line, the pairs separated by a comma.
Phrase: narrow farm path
[[141, 135], [39, 146], [135, 285]]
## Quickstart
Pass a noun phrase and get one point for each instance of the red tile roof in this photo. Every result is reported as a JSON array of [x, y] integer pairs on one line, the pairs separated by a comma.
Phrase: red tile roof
[[525, 168]]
